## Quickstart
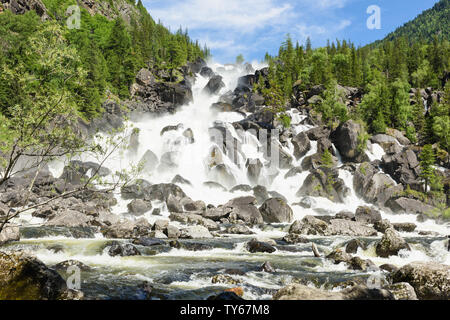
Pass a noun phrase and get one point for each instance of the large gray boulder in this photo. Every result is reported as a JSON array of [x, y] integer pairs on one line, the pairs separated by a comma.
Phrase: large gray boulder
[[403, 167], [391, 244], [407, 205], [347, 141], [430, 280], [324, 182], [244, 209], [301, 145], [276, 210], [367, 215]]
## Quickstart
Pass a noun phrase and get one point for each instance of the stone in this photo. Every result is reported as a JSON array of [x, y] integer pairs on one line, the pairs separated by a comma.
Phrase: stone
[[276, 210], [254, 246], [391, 244]]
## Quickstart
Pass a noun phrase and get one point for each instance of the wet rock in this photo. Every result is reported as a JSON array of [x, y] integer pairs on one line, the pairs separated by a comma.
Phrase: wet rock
[[353, 245], [368, 215], [238, 229], [309, 226], [383, 225], [276, 210], [137, 190], [223, 278], [195, 232], [254, 246], [160, 225], [24, 277], [293, 238], [44, 212], [391, 244], [338, 256], [206, 72], [267, 267], [301, 145], [190, 246], [65, 265], [214, 85], [123, 250], [139, 206], [430, 280], [196, 219], [356, 263], [306, 202], [402, 291], [405, 227], [346, 140], [133, 144], [149, 161], [223, 175]]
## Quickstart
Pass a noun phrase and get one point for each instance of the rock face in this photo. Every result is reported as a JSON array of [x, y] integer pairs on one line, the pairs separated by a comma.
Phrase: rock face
[[24, 277], [430, 280], [123, 250], [403, 167], [391, 244], [276, 210], [244, 209], [9, 233], [402, 291], [346, 139]]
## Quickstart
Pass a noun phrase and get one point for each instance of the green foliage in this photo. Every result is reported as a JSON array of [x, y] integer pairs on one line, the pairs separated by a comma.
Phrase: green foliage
[[240, 59], [327, 159], [427, 160], [332, 107]]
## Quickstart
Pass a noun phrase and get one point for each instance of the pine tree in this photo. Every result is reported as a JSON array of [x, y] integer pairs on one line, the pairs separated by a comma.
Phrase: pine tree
[[427, 160]]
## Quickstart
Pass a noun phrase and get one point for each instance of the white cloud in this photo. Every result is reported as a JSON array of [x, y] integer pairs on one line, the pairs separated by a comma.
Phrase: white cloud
[[304, 30], [237, 15]]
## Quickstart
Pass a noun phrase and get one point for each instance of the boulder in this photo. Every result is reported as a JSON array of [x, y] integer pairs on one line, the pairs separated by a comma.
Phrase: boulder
[[346, 139], [402, 291], [324, 182], [127, 229], [317, 133], [276, 210], [353, 245], [301, 145], [243, 208], [123, 250], [139, 206], [254, 246], [430, 280], [350, 228], [383, 225], [405, 226], [403, 167], [254, 168], [338, 256], [9, 233], [367, 215], [391, 244], [144, 77], [136, 190], [214, 85], [195, 232], [267, 267], [407, 205], [70, 218], [24, 277], [162, 191], [238, 229]]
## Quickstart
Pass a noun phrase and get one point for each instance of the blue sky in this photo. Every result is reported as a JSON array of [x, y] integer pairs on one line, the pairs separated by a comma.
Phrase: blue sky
[[253, 27]]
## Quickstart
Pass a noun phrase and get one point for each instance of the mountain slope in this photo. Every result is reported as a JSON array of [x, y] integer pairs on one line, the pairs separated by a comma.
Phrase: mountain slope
[[434, 21]]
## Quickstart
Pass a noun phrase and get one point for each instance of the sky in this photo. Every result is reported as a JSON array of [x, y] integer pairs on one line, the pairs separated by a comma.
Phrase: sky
[[254, 27]]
